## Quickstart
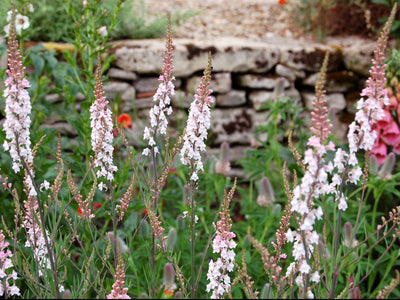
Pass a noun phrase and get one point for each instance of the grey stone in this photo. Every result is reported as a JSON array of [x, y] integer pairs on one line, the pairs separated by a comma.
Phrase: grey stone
[[141, 103], [357, 53], [233, 125], [259, 98], [181, 99], [125, 90], [236, 125], [232, 98], [115, 73], [341, 81], [147, 84], [235, 152], [308, 56], [256, 81], [53, 98], [190, 56], [289, 73], [219, 83]]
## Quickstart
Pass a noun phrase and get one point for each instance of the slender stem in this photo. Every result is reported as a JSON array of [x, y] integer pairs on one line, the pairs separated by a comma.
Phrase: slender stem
[[192, 227]]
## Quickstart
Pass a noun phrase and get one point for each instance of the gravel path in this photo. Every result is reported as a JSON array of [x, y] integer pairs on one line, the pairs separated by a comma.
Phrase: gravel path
[[253, 19]]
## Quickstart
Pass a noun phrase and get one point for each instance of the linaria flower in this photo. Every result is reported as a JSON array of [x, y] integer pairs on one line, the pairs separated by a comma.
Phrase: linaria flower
[[18, 109], [118, 291], [21, 23], [198, 123], [6, 289], [223, 244], [162, 108], [102, 31], [102, 133]]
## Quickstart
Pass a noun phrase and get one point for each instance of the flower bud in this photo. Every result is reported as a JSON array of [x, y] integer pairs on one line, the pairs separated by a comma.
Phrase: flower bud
[[180, 223], [265, 193], [186, 195], [347, 229], [67, 295], [386, 170], [223, 165], [169, 277], [323, 251], [373, 164], [144, 230], [171, 239], [266, 292], [119, 242], [178, 295]]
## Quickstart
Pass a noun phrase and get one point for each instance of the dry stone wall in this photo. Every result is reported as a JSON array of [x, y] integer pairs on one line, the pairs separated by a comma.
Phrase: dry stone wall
[[243, 79], [244, 76]]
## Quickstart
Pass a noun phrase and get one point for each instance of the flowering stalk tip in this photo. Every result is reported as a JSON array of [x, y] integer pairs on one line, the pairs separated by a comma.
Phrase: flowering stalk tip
[[102, 133], [198, 123], [162, 108]]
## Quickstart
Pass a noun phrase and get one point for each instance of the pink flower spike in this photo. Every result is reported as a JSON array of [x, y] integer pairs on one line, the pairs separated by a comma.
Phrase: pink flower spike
[[380, 152], [102, 136], [385, 120], [391, 134]]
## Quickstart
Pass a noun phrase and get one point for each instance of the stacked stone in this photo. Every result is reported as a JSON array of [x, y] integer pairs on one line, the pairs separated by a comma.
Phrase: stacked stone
[[244, 76]]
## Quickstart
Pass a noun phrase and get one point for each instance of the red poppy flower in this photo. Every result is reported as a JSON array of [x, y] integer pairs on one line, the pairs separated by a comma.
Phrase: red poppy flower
[[281, 2], [168, 293], [96, 205], [125, 120]]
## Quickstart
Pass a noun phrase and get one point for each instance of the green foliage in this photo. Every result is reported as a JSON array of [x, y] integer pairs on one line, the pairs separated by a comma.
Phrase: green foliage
[[85, 250], [133, 20]]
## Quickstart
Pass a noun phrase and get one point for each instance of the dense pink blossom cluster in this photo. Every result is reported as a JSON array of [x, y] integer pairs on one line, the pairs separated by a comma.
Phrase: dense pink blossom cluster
[[314, 184], [18, 109], [162, 108], [223, 244], [371, 114], [35, 238], [118, 291], [6, 264], [102, 134], [198, 122]]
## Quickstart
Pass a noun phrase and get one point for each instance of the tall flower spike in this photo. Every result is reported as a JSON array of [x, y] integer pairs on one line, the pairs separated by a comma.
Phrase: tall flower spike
[[102, 136], [158, 119], [360, 135], [118, 291], [18, 106], [312, 186], [223, 244], [198, 123]]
